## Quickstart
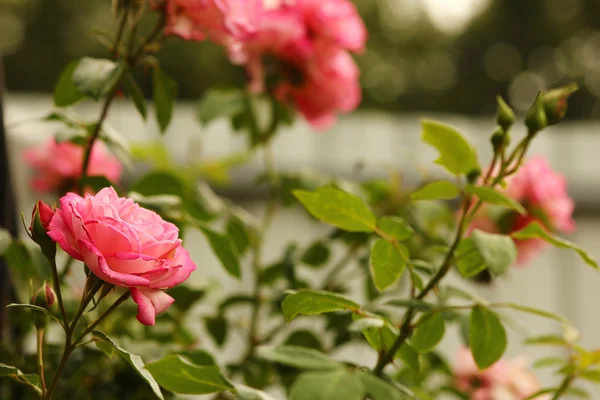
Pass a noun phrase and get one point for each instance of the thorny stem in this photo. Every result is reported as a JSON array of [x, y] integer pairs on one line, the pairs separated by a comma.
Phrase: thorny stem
[[40, 358]]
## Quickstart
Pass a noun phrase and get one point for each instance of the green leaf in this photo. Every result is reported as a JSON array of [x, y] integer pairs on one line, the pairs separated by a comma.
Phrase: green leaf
[[467, 258], [159, 182], [396, 227], [428, 333], [224, 250], [31, 380], [535, 231], [492, 196], [310, 302], [185, 297], [136, 95], [134, 360], [34, 308], [220, 103], [217, 327], [548, 340], [487, 337], [96, 77], [164, 92], [382, 339], [419, 305], [549, 362], [178, 375], [247, 393], [378, 389], [199, 357], [456, 154], [66, 92], [5, 240], [236, 230], [338, 208], [387, 264], [298, 357], [96, 182], [592, 375], [538, 312], [498, 252], [327, 385], [438, 190], [317, 254], [361, 324]]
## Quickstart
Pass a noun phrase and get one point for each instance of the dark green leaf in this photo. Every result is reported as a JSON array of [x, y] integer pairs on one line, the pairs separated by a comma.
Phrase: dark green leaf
[[538, 312], [220, 103], [199, 357], [310, 302], [299, 357], [456, 154], [304, 338], [136, 95], [164, 92], [96, 77], [378, 389], [498, 252], [65, 91], [338, 208], [467, 258], [224, 250], [236, 230], [134, 360], [438, 190], [217, 327], [487, 337], [535, 231], [34, 308], [247, 393], [327, 385], [430, 330], [159, 182], [382, 339], [185, 297], [317, 254], [387, 263], [396, 227], [178, 375], [31, 380], [492, 196]]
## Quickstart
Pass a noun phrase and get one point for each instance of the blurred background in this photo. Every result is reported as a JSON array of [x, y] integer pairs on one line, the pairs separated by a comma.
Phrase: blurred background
[[437, 58]]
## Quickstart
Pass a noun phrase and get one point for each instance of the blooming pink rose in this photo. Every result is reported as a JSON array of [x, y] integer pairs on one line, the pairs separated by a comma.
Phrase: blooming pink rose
[[123, 244], [504, 380], [334, 21], [543, 193], [217, 19], [58, 166]]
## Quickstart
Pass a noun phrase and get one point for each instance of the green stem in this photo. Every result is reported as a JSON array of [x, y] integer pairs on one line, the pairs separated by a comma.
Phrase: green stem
[[101, 318], [61, 366], [59, 299], [564, 386], [40, 359]]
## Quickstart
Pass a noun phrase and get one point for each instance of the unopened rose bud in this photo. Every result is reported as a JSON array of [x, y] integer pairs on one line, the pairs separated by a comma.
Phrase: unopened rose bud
[[505, 116], [40, 220], [535, 118], [44, 298], [500, 139], [555, 102], [50, 295]]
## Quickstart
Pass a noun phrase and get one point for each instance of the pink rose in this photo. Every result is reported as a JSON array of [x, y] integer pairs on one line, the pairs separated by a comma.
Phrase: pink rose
[[58, 166], [123, 244], [504, 380], [543, 193]]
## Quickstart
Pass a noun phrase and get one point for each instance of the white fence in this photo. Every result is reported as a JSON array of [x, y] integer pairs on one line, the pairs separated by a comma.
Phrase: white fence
[[558, 281]]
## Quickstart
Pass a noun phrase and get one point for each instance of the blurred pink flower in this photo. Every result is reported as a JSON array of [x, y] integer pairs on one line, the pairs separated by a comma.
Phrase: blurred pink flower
[[123, 244], [543, 193], [58, 166], [504, 380]]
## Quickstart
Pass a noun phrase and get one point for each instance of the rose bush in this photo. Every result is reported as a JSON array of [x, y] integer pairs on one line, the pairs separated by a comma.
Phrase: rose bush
[[123, 244]]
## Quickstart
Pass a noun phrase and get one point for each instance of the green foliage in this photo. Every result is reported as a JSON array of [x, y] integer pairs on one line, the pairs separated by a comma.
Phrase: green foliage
[[66, 92], [217, 327], [487, 337], [310, 302], [31, 380], [326, 385], [224, 249], [316, 255], [95, 77], [105, 344], [456, 154], [492, 196], [438, 190], [220, 103], [498, 252], [237, 232], [135, 93], [429, 331], [299, 357], [338, 208], [388, 262], [164, 93], [396, 227], [178, 375], [535, 231]]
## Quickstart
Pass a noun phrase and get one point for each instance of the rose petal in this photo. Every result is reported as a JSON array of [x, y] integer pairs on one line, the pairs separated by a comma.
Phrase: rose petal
[[61, 234], [150, 303], [187, 266]]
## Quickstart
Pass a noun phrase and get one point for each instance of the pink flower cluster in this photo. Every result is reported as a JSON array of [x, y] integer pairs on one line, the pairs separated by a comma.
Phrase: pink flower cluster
[[505, 380], [543, 193], [58, 166], [123, 244], [299, 50]]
